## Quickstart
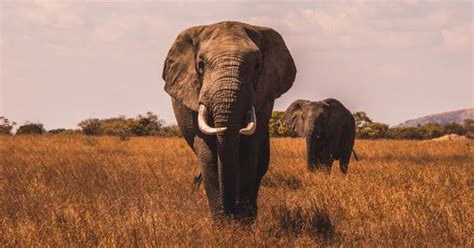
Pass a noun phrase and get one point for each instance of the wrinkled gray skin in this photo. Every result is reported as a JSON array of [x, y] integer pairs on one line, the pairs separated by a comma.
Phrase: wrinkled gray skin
[[329, 129], [228, 67]]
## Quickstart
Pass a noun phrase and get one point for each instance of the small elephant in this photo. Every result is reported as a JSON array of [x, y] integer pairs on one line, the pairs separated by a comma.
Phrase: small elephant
[[329, 129], [223, 80]]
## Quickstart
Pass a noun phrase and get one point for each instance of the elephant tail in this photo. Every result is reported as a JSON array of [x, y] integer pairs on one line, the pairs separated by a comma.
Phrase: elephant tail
[[355, 155]]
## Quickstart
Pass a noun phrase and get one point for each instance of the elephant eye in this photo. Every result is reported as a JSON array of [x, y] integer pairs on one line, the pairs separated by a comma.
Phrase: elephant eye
[[200, 66]]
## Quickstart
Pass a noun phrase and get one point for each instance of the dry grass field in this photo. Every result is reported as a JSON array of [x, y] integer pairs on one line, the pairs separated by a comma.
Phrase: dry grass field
[[100, 191]]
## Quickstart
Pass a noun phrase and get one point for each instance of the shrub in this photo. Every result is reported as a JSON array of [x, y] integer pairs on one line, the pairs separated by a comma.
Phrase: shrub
[[150, 124], [430, 131], [454, 128], [57, 131], [171, 131], [372, 130], [31, 129], [277, 127], [90, 126], [6, 126]]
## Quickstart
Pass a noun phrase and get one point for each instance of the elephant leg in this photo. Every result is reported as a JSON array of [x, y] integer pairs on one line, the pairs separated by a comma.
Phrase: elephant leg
[[185, 118], [247, 178], [344, 163], [263, 162], [346, 151], [318, 159], [311, 150], [327, 164], [207, 153], [345, 156], [326, 160]]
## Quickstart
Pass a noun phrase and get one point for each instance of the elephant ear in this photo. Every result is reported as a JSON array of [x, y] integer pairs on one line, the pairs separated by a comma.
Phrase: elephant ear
[[179, 71], [293, 116], [278, 70]]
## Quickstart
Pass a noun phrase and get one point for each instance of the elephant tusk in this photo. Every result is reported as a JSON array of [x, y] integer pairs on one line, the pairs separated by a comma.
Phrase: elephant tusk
[[202, 122], [252, 125]]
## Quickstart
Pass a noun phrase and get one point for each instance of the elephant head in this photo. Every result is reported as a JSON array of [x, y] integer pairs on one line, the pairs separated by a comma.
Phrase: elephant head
[[227, 72], [307, 118]]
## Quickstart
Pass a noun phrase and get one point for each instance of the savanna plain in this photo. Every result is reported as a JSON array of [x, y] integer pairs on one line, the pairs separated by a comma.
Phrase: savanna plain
[[101, 191]]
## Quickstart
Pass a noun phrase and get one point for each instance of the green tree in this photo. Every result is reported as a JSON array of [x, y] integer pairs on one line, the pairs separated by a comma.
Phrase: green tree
[[372, 130], [31, 129], [277, 127], [361, 119], [469, 127], [368, 129], [150, 124], [171, 131], [90, 126], [63, 131], [57, 131], [405, 133], [123, 127], [117, 126], [6, 126], [430, 131], [454, 128]]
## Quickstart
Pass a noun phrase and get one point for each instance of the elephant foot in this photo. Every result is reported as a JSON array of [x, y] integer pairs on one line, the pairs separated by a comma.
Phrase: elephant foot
[[315, 167], [246, 213], [344, 169], [326, 170], [221, 220], [244, 217]]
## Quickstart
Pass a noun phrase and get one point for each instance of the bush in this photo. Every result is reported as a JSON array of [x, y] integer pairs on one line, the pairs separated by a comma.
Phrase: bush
[[31, 129], [469, 125], [171, 131], [372, 130], [454, 128], [119, 126], [62, 131], [149, 124], [367, 129], [277, 127], [90, 126], [431, 131], [6, 126]]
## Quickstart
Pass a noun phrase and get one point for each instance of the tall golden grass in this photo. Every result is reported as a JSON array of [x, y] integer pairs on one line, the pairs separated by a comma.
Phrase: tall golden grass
[[100, 191]]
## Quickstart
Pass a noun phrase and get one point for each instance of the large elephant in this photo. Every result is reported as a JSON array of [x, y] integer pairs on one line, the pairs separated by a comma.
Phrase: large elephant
[[223, 80], [329, 129]]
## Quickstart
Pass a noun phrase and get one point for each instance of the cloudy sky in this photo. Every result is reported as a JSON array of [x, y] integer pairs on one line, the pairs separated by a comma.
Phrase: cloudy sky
[[62, 62]]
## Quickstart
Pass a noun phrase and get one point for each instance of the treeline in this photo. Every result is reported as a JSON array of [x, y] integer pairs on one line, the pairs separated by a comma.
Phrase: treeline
[[151, 125], [122, 127], [366, 128]]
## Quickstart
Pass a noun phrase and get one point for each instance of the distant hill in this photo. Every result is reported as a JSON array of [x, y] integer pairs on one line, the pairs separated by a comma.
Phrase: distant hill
[[457, 116]]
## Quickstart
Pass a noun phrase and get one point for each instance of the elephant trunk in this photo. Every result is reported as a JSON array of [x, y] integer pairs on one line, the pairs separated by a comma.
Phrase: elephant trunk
[[229, 111], [228, 106]]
